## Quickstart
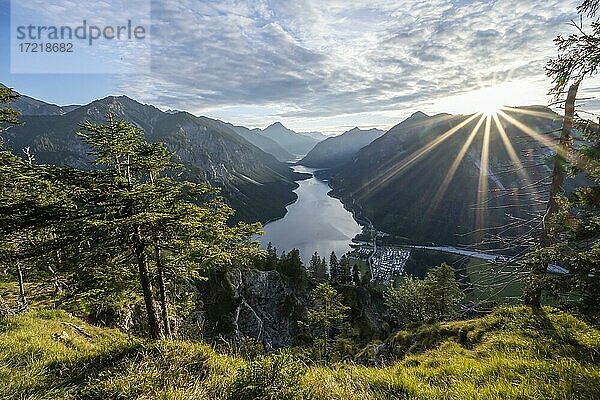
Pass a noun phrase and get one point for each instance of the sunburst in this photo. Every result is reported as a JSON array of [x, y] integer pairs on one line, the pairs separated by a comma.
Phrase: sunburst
[[491, 120]]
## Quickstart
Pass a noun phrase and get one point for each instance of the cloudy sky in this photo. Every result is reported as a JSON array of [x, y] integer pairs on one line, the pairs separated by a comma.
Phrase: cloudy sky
[[327, 65]]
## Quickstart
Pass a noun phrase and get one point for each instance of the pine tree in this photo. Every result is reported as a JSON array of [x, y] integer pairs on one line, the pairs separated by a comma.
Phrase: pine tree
[[327, 313], [271, 258], [8, 116], [313, 265], [159, 219], [345, 276], [322, 273], [569, 234], [334, 268], [291, 265], [317, 268]]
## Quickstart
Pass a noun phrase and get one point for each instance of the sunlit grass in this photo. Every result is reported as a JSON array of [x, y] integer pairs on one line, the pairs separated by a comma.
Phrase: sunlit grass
[[42, 356], [510, 354]]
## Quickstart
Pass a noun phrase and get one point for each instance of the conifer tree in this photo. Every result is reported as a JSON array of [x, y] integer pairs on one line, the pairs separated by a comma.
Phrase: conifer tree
[[313, 265], [317, 268], [326, 314], [334, 268], [271, 258], [569, 235], [356, 275], [291, 265], [153, 217], [8, 116], [345, 276]]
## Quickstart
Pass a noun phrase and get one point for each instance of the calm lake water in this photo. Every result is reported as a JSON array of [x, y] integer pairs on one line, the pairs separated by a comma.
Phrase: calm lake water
[[315, 222]]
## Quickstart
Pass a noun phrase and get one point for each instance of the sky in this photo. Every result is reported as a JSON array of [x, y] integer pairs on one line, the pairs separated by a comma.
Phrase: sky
[[325, 65]]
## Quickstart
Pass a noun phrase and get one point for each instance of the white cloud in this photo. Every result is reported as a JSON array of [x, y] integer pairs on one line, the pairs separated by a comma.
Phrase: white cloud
[[314, 63]]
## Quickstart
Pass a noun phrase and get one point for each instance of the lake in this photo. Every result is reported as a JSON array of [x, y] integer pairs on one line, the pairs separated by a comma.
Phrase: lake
[[315, 222]]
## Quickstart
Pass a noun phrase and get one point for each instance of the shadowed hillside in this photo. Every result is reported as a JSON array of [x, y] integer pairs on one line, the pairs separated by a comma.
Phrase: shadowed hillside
[[427, 180]]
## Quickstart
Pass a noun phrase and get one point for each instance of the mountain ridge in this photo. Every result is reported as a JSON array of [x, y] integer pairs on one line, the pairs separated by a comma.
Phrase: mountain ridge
[[293, 142], [405, 183], [254, 182], [337, 150]]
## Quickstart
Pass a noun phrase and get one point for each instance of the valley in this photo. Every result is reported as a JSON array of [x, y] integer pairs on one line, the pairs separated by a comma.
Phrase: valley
[[254, 182], [423, 179], [314, 222]]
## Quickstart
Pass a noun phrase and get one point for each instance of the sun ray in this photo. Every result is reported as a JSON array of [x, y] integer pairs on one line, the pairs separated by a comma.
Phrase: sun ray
[[527, 130], [391, 163], [513, 155], [408, 161], [532, 113], [482, 186], [459, 157]]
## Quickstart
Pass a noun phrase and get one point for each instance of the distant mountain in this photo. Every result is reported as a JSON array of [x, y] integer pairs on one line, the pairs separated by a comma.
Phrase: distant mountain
[[29, 106], [398, 182], [337, 150], [263, 142], [291, 141], [256, 185], [315, 135]]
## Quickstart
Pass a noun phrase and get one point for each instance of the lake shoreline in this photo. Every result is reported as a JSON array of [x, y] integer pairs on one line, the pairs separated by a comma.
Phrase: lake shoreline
[[316, 221]]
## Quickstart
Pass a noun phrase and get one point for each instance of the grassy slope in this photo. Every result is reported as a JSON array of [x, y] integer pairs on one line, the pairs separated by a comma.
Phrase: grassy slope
[[510, 354], [42, 356]]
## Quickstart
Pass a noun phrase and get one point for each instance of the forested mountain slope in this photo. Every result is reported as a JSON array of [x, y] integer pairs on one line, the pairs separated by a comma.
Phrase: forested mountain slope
[[426, 178], [256, 184]]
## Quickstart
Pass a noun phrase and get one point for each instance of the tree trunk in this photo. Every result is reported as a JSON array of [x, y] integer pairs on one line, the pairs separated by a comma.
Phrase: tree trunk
[[556, 188], [146, 283], [164, 306], [558, 172], [22, 297]]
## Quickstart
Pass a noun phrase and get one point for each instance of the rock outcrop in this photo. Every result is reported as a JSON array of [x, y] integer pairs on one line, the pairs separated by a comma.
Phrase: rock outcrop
[[266, 306]]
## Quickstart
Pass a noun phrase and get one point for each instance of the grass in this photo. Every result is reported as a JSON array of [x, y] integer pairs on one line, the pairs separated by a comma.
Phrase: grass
[[490, 283], [512, 353], [43, 355]]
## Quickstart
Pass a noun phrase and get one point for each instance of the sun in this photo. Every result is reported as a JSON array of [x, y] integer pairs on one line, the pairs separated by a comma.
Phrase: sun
[[490, 98], [490, 106]]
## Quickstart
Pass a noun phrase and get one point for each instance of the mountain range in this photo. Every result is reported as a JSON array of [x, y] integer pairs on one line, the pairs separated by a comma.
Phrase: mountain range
[[419, 180], [295, 143], [30, 106], [279, 141], [263, 142], [315, 135], [337, 150], [422, 182], [255, 183]]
